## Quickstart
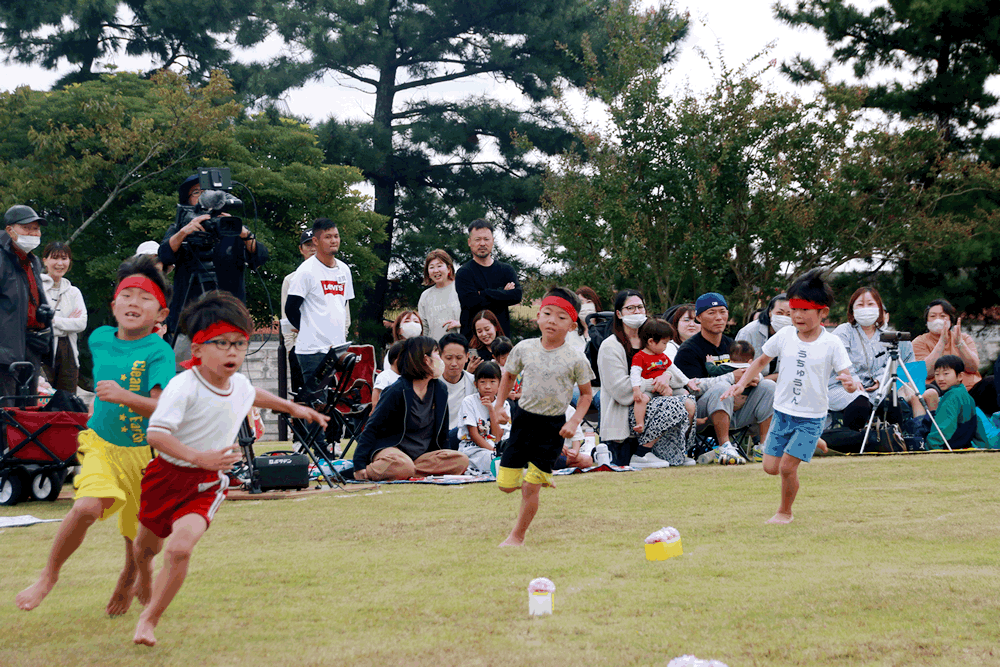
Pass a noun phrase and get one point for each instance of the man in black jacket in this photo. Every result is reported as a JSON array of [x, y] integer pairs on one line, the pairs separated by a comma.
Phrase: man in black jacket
[[21, 292], [485, 283]]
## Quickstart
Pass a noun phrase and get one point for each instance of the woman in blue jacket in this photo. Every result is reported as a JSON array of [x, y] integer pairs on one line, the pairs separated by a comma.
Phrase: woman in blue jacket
[[407, 434]]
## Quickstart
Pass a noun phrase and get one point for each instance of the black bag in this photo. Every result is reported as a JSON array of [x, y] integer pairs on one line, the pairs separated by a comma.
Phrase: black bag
[[598, 328], [64, 401], [282, 470], [842, 439], [884, 437]]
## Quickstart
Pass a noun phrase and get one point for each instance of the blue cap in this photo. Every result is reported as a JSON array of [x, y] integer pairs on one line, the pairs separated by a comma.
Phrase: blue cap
[[710, 300]]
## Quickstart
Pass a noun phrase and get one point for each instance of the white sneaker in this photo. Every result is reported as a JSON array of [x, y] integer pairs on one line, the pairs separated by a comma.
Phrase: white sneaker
[[689, 462], [729, 455], [650, 460]]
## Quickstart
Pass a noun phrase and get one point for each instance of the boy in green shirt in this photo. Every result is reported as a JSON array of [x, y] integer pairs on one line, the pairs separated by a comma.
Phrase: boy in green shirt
[[956, 412]]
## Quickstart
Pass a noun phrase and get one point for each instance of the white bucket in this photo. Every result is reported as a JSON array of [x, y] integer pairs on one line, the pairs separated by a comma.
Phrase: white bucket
[[540, 603]]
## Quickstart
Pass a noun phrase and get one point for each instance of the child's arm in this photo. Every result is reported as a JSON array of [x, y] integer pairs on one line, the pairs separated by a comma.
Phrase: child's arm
[[110, 391], [269, 401], [946, 416], [506, 383], [847, 380], [582, 405], [219, 459], [751, 373]]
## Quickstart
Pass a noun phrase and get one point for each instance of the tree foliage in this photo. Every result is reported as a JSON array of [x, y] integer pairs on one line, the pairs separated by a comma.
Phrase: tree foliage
[[743, 185], [102, 160], [436, 164]]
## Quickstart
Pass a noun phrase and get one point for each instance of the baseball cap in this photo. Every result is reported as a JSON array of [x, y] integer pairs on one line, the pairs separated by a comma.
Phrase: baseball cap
[[709, 300], [19, 214], [306, 236]]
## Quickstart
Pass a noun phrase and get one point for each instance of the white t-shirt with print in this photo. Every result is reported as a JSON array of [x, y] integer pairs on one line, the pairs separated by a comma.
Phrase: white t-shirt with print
[[804, 370], [325, 291], [201, 416], [466, 386], [473, 414]]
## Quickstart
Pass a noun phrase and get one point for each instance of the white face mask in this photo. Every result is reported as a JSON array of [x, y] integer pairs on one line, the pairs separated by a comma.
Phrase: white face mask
[[437, 367], [634, 321], [779, 322], [410, 329], [587, 309], [27, 243], [937, 326], [866, 316]]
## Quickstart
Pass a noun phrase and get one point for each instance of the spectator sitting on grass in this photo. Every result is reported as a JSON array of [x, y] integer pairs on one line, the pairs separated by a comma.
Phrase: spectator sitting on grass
[[460, 383], [956, 411], [481, 423]]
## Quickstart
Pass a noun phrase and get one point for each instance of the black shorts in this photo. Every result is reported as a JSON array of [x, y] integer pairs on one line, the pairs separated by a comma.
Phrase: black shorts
[[533, 439]]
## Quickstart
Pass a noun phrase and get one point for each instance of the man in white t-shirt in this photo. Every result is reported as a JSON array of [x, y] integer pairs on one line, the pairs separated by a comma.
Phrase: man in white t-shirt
[[307, 249], [455, 354], [317, 303]]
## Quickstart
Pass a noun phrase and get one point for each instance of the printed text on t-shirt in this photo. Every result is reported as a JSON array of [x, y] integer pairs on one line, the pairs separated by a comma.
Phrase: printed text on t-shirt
[[334, 287]]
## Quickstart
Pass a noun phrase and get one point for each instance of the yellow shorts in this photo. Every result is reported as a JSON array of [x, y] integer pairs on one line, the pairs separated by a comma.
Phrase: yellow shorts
[[511, 478], [110, 471]]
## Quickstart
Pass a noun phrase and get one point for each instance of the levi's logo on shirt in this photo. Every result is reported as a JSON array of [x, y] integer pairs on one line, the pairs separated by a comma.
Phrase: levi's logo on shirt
[[334, 287]]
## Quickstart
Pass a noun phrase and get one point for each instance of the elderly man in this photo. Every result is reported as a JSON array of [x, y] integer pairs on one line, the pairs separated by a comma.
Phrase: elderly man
[[699, 357], [21, 287], [485, 283]]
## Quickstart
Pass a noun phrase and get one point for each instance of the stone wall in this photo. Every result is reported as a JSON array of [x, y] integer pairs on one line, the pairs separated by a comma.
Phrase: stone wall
[[262, 369]]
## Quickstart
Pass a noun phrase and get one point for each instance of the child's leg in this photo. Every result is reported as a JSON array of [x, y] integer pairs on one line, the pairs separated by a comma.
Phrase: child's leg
[[639, 407], [788, 468], [529, 507], [72, 530], [186, 532], [146, 546], [121, 597]]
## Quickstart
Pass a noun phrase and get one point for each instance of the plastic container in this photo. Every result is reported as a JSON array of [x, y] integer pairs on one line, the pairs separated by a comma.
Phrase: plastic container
[[541, 597], [602, 455], [663, 544]]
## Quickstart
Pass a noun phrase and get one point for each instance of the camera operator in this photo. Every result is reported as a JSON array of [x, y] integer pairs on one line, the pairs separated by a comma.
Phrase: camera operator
[[25, 316], [223, 259]]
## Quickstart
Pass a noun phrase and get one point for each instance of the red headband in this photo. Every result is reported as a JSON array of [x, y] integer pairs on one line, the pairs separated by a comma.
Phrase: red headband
[[802, 304], [560, 302], [216, 329], [145, 284]]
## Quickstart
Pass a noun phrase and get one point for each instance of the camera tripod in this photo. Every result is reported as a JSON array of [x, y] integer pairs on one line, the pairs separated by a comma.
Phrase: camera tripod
[[888, 384]]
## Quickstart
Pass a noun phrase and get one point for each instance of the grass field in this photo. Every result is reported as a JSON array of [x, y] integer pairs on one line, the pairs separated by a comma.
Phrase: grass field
[[890, 561]]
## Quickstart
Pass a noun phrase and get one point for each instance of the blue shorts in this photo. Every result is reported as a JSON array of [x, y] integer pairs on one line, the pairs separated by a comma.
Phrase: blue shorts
[[795, 436]]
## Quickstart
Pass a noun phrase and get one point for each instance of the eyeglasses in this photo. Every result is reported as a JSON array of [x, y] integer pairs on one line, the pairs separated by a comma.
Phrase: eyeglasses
[[634, 309], [224, 345]]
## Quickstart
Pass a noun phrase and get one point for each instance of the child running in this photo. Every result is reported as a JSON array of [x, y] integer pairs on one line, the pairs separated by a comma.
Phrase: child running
[[194, 430], [807, 355], [551, 369], [481, 425], [132, 365], [652, 362]]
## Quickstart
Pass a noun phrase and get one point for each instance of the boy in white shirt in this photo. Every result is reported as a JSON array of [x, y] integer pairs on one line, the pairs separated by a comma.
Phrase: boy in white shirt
[[481, 425], [194, 429], [807, 353]]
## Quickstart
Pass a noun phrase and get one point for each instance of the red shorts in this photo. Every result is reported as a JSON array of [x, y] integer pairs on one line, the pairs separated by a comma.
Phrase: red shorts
[[170, 491]]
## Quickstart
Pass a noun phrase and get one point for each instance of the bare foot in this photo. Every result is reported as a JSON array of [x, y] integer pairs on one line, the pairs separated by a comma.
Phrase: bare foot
[[638, 428], [121, 597], [512, 541], [144, 633], [780, 517], [33, 595], [821, 446], [143, 589]]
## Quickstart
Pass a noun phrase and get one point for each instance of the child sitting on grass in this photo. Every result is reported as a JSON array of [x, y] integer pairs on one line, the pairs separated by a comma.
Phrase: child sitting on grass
[[807, 354], [480, 428], [132, 365], [194, 429], [956, 411], [551, 369], [651, 362]]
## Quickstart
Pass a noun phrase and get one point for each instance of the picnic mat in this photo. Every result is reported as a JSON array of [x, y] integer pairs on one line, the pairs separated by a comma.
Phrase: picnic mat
[[455, 480], [23, 520]]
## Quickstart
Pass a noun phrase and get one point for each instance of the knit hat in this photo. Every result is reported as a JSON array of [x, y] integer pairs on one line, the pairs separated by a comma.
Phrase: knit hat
[[709, 300]]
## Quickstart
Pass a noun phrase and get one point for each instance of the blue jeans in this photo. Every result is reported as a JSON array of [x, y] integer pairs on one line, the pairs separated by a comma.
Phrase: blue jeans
[[595, 405]]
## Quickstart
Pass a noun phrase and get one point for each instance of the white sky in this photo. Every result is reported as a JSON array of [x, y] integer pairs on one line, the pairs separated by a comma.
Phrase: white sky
[[739, 28]]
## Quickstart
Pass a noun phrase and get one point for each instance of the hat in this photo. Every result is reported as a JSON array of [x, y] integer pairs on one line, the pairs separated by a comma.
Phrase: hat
[[710, 300], [19, 214], [185, 187], [148, 248], [306, 236]]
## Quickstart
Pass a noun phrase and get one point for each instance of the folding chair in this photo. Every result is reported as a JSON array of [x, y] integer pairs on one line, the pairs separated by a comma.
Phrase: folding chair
[[37, 447]]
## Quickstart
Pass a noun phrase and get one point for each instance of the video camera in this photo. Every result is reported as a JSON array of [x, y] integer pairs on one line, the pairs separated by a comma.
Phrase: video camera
[[895, 337], [215, 183]]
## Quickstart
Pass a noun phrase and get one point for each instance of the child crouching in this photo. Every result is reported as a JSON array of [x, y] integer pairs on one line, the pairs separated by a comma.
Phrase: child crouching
[[194, 429]]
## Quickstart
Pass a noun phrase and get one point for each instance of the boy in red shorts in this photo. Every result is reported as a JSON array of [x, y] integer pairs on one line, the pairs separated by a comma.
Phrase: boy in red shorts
[[194, 429]]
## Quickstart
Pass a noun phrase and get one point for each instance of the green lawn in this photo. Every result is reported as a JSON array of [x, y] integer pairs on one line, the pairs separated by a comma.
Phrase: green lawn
[[890, 561]]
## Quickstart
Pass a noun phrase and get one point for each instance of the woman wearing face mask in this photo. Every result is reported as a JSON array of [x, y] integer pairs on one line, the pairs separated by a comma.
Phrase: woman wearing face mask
[[866, 318], [945, 336], [407, 433], [21, 293], [63, 369], [772, 319], [590, 303], [406, 325], [665, 439]]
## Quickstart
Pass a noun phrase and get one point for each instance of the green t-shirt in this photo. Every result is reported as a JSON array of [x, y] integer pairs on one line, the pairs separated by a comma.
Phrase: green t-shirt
[[136, 365]]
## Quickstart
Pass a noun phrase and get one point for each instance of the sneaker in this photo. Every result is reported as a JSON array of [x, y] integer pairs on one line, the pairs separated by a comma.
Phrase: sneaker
[[711, 456], [689, 461], [650, 460], [758, 453], [728, 455]]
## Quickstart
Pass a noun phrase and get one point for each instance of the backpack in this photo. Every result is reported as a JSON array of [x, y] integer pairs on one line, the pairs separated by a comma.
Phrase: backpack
[[599, 328]]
